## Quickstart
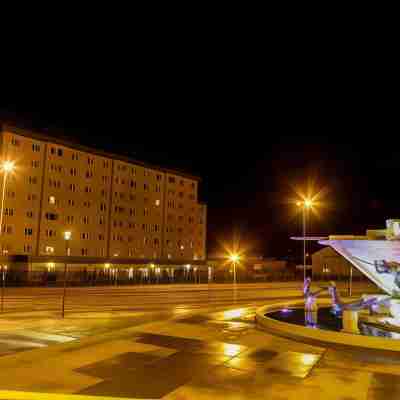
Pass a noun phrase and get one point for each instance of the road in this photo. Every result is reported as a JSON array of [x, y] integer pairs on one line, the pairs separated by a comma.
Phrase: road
[[194, 339], [151, 297]]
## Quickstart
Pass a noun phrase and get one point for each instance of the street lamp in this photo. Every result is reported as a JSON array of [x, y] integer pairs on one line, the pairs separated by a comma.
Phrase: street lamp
[[67, 238], [234, 258], [305, 205]]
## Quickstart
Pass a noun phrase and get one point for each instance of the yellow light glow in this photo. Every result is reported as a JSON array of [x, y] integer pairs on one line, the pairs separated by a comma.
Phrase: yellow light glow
[[234, 257], [67, 235], [231, 350], [308, 203], [106, 265], [299, 203], [8, 166], [231, 314]]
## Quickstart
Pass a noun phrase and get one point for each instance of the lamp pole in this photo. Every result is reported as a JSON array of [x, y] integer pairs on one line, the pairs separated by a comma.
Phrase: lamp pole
[[7, 167], [305, 205], [234, 258], [304, 242], [67, 237]]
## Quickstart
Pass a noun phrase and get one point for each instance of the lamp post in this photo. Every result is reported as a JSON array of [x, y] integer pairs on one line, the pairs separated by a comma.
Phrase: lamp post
[[234, 258], [67, 238], [305, 205], [7, 167]]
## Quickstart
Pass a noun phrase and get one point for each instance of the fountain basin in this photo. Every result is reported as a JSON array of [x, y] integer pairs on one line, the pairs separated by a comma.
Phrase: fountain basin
[[325, 335]]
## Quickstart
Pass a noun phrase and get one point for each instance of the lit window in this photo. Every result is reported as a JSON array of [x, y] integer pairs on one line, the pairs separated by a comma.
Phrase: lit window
[[49, 249], [158, 203], [52, 200]]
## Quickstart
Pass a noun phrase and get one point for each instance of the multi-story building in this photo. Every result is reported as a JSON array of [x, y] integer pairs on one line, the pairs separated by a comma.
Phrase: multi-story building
[[115, 208]]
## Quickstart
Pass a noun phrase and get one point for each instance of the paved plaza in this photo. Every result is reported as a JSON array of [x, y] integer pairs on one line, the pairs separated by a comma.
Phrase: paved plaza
[[199, 351]]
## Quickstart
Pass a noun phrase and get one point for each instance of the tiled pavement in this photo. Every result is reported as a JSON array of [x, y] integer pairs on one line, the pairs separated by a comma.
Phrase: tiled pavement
[[209, 354]]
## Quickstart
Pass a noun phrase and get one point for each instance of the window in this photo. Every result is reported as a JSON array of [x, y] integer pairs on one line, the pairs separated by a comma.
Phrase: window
[[158, 188], [15, 141], [75, 156], [146, 212], [85, 235], [157, 202], [85, 220], [71, 202], [132, 184], [28, 231], [84, 252], [32, 179], [52, 200], [145, 187], [72, 187], [27, 248], [11, 194], [101, 236], [29, 214], [50, 233], [49, 249], [70, 219], [159, 177], [59, 152], [73, 171], [171, 179], [132, 212], [103, 207], [51, 216], [9, 212], [88, 189], [89, 174], [105, 164], [101, 220], [35, 164]]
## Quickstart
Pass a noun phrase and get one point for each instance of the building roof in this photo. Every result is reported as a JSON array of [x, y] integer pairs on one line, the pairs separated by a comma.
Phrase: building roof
[[69, 143]]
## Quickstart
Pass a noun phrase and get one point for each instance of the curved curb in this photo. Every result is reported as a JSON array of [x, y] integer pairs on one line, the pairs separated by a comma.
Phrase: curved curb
[[319, 336]]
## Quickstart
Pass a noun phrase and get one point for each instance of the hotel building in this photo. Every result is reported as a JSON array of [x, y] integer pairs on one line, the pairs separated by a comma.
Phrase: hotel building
[[118, 210]]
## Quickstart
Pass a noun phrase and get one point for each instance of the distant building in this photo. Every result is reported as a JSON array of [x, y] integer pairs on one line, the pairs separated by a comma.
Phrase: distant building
[[327, 264], [250, 268]]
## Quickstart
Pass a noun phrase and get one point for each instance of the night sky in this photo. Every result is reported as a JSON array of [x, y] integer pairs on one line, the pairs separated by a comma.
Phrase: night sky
[[255, 135]]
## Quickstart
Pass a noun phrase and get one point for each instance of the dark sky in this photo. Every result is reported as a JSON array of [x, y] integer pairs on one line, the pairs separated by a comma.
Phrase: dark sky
[[256, 127]]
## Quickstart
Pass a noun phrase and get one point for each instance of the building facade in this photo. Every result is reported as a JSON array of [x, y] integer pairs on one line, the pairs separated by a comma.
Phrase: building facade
[[329, 265], [114, 207]]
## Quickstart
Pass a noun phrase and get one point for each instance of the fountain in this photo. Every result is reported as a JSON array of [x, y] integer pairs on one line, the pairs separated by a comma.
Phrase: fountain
[[371, 321]]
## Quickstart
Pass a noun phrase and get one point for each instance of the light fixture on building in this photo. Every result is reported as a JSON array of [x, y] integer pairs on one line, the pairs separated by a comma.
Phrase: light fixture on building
[[49, 249], [50, 266]]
